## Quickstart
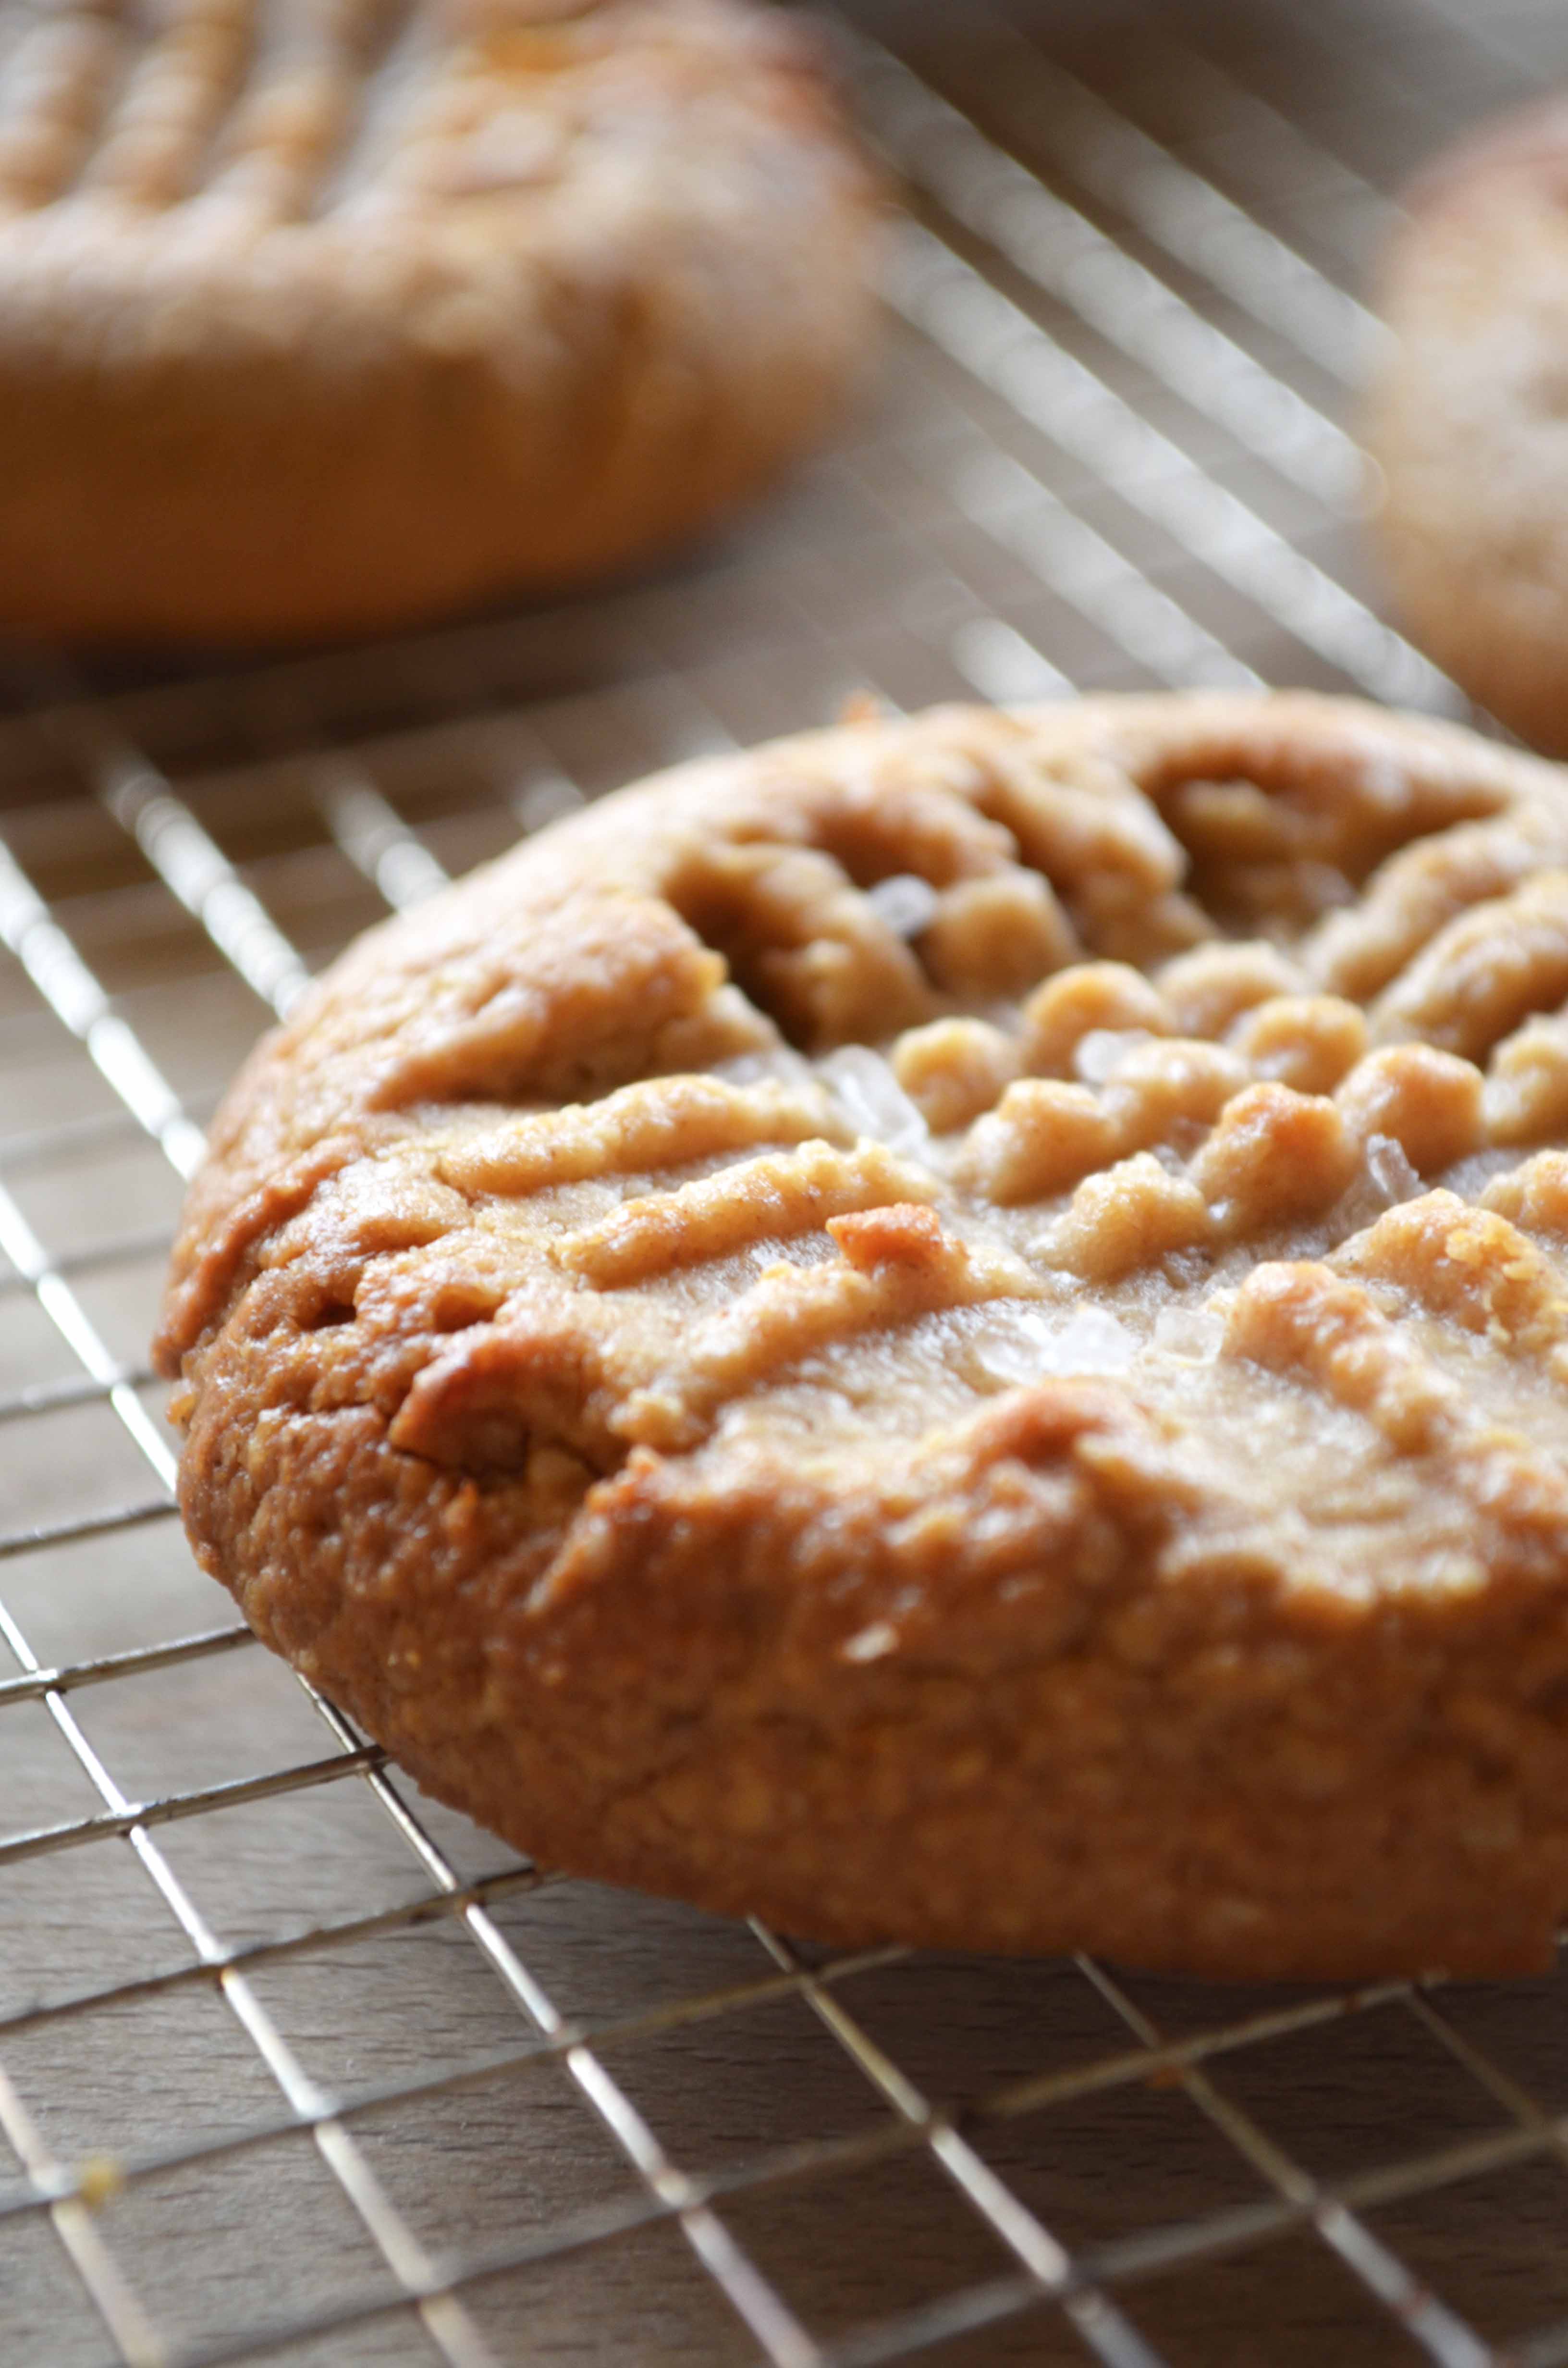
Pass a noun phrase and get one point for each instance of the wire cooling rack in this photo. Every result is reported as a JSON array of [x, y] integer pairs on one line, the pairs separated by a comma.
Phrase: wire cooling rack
[[294, 2064]]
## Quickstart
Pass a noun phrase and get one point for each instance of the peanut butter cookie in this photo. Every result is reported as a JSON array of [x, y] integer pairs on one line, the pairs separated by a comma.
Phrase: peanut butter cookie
[[1467, 419], [320, 316], [954, 1329]]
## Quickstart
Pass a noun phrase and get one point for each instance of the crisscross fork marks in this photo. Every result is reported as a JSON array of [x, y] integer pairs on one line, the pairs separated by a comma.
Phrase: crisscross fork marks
[[257, 102]]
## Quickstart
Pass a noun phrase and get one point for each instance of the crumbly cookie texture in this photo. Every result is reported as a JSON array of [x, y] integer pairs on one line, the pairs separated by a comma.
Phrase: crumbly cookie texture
[[954, 1329], [1466, 418], [320, 316]]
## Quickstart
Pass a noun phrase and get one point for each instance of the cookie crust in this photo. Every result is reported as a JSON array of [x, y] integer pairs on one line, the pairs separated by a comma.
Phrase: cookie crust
[[1465, 417], [1095, 1477], [319, 319]]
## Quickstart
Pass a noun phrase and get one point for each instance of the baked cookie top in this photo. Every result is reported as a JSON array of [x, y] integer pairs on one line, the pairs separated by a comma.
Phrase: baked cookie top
[[318, 313], [1004, 1267], [181, 127]]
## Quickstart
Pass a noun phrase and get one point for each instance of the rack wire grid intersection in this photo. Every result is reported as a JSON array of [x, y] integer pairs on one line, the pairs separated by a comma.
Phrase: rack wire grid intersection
[[1112, 451]]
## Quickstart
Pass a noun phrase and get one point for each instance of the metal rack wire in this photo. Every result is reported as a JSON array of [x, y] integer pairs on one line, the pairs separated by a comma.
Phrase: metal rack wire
[[296, 2065]]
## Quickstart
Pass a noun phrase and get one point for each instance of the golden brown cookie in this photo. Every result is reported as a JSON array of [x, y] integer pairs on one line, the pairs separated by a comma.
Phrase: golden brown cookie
[[954, 1329], [320, 316], [1467, 419]]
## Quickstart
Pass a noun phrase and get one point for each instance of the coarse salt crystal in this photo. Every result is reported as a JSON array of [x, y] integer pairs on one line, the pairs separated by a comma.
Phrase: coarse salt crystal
[[1194, 1335], [1034, 1346], [871, 1643], [779, 1065], [905, 902], [1389, 1166], [871, 1097], [1101, 1052]]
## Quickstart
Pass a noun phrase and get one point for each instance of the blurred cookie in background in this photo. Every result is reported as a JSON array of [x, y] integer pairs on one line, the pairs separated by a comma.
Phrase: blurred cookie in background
[[319, 316], [1468, 419]]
